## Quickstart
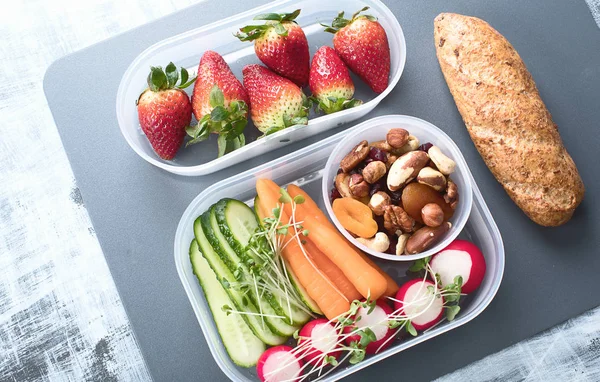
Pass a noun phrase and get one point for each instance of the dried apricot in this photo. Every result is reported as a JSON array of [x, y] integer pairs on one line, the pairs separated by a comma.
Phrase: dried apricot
[[416, 195], [355, 216]]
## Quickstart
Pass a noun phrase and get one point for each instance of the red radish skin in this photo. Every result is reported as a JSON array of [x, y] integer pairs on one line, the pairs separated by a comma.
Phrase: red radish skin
[[460, 258], [278, 364], [318, 338], [422, 317], [377, 321]]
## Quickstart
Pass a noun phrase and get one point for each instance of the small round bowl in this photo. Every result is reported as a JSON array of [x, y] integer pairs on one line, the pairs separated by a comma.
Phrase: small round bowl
[[375, 130]]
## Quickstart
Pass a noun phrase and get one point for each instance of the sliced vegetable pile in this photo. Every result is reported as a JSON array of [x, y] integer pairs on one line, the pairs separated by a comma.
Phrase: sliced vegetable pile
[[272, 96], [282, 270]]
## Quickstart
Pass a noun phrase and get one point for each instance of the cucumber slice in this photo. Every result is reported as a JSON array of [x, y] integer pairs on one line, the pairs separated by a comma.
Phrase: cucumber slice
[[241, 303], [308, 301], [238, 223], [243, 347], [261, 300]]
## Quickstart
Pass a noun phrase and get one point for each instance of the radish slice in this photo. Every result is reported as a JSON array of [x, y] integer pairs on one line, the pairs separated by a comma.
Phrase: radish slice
[[318, 339], [377, 321], [279, 364], [419, 304], [460, 258]]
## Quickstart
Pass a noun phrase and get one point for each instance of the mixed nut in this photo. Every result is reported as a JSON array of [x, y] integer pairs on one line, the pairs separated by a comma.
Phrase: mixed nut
[[407, 191]]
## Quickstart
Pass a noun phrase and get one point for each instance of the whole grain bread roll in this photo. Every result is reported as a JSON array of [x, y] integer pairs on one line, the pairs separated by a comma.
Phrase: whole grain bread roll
[[506, 118]]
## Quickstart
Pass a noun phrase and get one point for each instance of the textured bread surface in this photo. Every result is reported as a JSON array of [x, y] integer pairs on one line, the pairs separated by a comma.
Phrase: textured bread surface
[[506, 118]]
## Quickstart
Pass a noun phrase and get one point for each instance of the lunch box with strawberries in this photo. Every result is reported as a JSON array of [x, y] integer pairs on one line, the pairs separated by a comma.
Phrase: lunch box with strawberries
[[305, 168], [185, 49]]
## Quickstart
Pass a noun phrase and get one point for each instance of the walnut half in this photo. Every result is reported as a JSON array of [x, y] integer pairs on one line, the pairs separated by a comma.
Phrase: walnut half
[[395, 218]]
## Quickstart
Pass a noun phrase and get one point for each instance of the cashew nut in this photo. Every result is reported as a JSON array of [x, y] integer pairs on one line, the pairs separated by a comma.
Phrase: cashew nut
[[380, 242], [441, 161], [402, 239]]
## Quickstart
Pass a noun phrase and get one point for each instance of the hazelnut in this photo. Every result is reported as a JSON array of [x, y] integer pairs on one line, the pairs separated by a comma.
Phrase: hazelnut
[[374, 171], [378, 202], [382, 145], [379, 243], [397, 137], [412, 144], [358, 154], [391, 158], [432, 215], [358, 187], [432, 178]]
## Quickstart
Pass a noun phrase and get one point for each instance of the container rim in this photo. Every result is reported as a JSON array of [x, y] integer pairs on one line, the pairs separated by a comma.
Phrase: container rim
[[204, 168], [205, 320]]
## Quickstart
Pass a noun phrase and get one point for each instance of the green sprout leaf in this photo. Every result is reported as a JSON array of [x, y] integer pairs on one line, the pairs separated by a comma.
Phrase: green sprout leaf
[[331, 360], [411, 329], [299, 199], [452, 311], [285, 197], [305, 232], [420, 264]]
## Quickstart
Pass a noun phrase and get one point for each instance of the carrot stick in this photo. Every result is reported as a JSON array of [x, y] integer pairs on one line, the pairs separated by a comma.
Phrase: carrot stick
[[368, 281], [330, 270], [311, 207], [331, 301]]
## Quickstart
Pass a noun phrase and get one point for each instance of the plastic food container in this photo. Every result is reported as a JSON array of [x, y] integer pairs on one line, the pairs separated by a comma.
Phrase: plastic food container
[[305, 168], [187, 48], [375, 130]]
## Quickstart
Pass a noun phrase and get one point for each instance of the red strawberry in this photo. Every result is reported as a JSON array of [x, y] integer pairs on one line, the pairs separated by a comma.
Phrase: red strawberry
[[330, 82], [281, 45], [275, 102], [362, 44], [220, 104], [164, 110]]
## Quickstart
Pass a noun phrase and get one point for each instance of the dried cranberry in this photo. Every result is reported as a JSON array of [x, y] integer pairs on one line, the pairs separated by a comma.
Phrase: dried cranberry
[[339, 171], [375, 188], [335, 194], [396, 197], [361, 166], [369, 160], [393, 242], [380, 223], [425, 146], [377, 154]]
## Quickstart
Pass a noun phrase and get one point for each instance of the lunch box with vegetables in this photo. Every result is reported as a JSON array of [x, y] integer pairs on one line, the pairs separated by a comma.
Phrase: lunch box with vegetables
[[185, 51], [305, 168]]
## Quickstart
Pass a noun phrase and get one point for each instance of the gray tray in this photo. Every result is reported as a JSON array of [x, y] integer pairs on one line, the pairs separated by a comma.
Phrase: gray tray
[[550, 273]]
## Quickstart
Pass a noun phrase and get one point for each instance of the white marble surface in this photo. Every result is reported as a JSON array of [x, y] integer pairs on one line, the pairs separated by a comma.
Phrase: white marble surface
[[60, 315]]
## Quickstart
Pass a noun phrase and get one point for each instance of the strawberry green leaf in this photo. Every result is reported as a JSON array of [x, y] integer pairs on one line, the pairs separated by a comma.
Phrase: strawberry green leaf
[[268, 16], [219, 114], [280, 30], [184, 75], [358, 12], [172, 75], [273, 130], [237, 128], [157, 79], [290, 16], [221, 145], [252, 32], [216, 97]]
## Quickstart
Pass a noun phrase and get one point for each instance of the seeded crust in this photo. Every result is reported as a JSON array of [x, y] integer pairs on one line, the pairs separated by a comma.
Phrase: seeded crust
[[506, 118]]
